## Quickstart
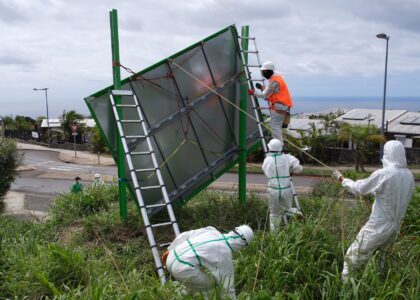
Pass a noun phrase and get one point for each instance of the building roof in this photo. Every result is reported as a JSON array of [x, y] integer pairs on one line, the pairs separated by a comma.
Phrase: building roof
[[54, 123], [88, 122], [302, 124], [408, 123], [359, 116], [326, 112]]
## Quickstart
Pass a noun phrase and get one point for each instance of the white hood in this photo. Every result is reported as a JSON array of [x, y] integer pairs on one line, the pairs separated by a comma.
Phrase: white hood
[[394, 155]]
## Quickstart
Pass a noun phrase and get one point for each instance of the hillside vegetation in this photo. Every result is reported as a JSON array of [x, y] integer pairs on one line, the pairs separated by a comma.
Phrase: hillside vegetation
[[84, 251]]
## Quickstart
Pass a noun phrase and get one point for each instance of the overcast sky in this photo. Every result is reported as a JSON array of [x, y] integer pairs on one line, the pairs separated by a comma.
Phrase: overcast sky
[[323, 48]]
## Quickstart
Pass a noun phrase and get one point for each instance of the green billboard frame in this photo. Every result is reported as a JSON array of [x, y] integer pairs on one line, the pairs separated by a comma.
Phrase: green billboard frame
[[243, 150]]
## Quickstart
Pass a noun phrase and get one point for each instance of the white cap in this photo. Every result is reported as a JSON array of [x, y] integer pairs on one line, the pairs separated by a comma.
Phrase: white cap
[[97, 175], [268, 65], [246, 232], [275, 145]]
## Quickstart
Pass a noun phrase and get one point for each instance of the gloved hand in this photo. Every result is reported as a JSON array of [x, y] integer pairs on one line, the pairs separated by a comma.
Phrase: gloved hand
[[337, 175], [251, 92], [259, 86]]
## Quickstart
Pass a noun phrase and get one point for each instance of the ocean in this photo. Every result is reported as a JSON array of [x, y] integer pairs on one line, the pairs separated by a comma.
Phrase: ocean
[[314, 104]]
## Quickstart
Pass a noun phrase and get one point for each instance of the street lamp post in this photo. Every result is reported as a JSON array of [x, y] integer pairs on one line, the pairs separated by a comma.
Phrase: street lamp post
[[385, 37], [48, 117]]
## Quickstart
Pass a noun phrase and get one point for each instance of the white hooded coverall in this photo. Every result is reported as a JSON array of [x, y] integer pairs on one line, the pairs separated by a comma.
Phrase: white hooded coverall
[[393, 187], [202, 259], [277, 168]]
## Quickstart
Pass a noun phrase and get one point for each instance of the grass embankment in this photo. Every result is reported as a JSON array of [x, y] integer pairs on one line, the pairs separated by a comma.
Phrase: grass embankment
[[85, 252]]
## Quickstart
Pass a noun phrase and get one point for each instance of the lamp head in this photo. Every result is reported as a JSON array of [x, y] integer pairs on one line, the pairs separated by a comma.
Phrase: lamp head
[[382, 36]]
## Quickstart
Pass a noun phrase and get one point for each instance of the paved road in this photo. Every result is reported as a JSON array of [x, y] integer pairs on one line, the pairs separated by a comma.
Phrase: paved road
[[48, 161], [50, 177]]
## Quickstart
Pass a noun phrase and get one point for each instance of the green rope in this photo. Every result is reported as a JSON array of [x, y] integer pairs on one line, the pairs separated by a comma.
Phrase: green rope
[[195, 253], [210, 241], [227, 243], [181, 261]]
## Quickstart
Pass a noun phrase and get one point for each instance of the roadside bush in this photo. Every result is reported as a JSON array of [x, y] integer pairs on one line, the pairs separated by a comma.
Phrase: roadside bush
[[9, 161], [69, 207]]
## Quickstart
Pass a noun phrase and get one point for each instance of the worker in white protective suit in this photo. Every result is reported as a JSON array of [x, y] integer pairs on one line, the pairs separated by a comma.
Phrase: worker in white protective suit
[[98, 180], [277, 167], [202, 259], [393, 187]]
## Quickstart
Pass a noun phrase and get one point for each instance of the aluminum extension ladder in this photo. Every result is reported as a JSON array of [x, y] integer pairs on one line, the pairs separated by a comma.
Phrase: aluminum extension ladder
[[133, 172], [286, 215]]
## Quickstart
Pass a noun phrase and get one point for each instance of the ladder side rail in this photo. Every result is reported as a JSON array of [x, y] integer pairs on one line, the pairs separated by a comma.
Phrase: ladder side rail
[[158, 172], [295, 195], [146, 221], [254, 104]]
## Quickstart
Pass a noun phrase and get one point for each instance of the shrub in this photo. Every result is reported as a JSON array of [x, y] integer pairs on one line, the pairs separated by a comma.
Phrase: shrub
[[9, 161]]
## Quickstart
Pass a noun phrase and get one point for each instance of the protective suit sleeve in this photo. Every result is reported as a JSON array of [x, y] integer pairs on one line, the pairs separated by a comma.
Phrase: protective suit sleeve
[[266, 166], [268, 90], [295, 164], [188, 235], [365, 186]]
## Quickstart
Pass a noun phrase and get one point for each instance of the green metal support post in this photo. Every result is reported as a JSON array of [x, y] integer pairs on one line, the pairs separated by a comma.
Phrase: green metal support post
[[242, 120], [113, 17]]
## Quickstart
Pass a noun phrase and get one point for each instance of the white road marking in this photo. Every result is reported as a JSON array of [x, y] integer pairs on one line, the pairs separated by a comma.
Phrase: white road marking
[[41, 163], [62, 169]]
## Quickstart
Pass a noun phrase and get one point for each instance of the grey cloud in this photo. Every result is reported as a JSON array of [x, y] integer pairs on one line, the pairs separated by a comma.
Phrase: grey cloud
[[11, 60], [10, 13]]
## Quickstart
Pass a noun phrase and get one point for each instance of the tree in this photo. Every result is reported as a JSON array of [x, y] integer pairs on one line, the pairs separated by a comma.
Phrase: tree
[[98, 143], [364, 140], [69, 118], [9, 161]]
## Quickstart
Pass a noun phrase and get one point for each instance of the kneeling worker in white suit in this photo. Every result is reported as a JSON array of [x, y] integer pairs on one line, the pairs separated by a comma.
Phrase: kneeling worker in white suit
[[202, 259], [277, 167], [393, 187]]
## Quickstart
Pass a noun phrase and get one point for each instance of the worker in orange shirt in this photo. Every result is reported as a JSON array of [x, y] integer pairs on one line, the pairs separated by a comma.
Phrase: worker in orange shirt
[[278, 96]]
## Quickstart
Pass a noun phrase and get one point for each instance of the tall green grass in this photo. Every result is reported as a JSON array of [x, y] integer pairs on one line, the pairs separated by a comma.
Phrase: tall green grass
[[84, 251]]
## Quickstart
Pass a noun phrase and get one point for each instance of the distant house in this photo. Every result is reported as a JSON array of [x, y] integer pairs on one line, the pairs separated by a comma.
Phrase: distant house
[[401, 125], [56, 127], [406, 128], [298, 125]]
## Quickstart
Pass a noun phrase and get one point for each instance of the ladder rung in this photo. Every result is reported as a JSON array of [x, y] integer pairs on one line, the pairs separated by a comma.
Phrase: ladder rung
[[164, 245], [131, 121], [127, 105], [247, 51], [156, 205], [135, 136], [145, 170], [161, 224], [151, 187], [253, 66], [140, 153], [122, 93], [246, 38]]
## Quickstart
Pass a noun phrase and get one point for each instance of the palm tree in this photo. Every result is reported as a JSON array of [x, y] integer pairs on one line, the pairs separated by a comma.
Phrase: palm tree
[[363, 139], [68, 118]]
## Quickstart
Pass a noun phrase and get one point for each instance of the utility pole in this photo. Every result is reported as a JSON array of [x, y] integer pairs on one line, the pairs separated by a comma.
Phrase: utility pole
[[48, 117]]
